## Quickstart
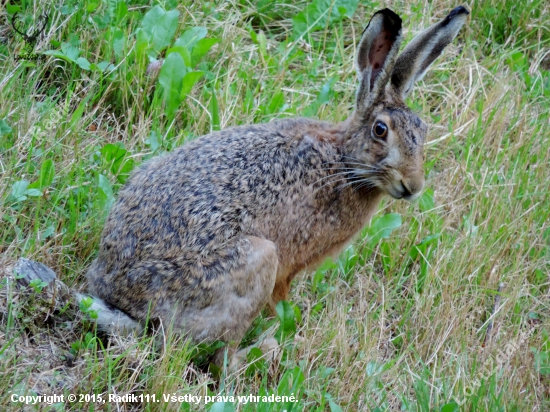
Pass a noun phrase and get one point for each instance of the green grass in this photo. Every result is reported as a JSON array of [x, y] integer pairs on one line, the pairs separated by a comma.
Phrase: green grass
[[397, 323]]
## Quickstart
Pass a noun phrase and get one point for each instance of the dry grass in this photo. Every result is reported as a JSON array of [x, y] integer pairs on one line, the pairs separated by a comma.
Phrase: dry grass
[[395, 333]]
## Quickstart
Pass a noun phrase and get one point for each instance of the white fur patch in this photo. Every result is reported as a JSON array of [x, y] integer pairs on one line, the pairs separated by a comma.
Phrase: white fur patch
[[394, 157], [112, 321]]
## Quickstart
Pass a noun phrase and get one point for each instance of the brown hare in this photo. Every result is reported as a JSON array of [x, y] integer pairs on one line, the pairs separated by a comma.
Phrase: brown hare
[[205, 237]]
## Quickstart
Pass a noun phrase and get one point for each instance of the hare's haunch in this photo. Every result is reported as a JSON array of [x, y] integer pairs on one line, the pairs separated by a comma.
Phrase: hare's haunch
[[204, 237]]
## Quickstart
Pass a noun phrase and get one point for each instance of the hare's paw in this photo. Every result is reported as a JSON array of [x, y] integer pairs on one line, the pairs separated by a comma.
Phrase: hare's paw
[[269, 348]]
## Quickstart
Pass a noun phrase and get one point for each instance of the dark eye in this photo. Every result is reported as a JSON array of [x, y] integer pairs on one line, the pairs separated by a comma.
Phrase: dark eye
[[380, 129]]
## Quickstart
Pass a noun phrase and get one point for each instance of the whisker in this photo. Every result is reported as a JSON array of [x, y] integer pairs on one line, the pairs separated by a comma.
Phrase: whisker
[[354, 180], [362, 182], [359, 177], [353, 159], [367, 185], [330, 176], [363, 165], [332, 182], [346, 168]]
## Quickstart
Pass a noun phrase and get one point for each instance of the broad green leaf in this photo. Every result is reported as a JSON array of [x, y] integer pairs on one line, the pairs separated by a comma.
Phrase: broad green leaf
[[33, 192], [319, 275], [291, 381], [214, 112], [333, 406], [83, 63], [59, 54], [262, 43], [49, 231], [372, 368], [287, 317], [276, 103], [422, 247], [200, 49], [253, 35], [103, 67], [382, 227], [91, 5], [77, 114], [47, 173], [348, 259], [184, 53], [21, 190], [326, 372], [142, 43], [153, 141], [161, 27], [518, 61], [119, 40], [4, 128], [117, 10], [190, 37], [320, 12], [324, 94], [222, 407], [70, 51], [117, 157], [450, 407], [18, 190], [189, 81], [427, 201], [542, 361], [171, 79], [322, 98], [12, 9], [255, 361], [105, 193], [113, 153], [327, 265]]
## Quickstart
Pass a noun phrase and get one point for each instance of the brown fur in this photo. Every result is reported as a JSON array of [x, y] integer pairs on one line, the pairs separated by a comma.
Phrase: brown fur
[[206, 236]]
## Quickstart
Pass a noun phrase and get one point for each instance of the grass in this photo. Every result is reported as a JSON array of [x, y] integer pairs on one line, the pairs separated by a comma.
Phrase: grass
[[448, 312]]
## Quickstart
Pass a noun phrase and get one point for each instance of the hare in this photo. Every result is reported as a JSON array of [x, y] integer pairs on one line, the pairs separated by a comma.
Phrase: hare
[[205, 237]]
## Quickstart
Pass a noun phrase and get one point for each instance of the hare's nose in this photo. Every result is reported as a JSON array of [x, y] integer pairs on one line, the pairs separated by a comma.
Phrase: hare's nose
[[405, 191], [412, 186]]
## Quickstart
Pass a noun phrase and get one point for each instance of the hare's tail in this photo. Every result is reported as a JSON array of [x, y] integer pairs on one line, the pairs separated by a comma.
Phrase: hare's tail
[[107, 317]]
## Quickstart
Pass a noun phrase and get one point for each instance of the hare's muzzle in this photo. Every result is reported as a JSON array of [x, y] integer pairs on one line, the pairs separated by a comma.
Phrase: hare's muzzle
[[408, 188], [412, 186]]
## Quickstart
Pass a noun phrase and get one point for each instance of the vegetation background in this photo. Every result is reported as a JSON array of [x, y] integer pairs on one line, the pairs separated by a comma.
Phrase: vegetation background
[[441, 305]]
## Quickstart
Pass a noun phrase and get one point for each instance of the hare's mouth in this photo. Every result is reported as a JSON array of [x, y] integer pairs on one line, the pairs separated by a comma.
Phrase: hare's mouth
[[399, 190]]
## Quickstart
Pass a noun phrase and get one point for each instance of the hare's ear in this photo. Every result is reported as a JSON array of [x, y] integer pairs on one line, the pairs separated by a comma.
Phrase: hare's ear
[[376, 56], [424, 49]]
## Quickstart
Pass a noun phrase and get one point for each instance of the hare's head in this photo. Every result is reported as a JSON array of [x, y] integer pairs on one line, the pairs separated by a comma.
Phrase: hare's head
[[384, 143]]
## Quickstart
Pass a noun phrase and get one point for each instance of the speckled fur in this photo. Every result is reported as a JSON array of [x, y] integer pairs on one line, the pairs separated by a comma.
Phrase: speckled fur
[[204, 237]]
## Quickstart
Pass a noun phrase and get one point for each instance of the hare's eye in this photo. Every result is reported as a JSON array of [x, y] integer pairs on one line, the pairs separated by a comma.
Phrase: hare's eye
[[380, 129]]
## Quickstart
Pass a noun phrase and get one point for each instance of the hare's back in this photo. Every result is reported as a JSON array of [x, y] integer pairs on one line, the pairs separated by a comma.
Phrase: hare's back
[[212, 188]]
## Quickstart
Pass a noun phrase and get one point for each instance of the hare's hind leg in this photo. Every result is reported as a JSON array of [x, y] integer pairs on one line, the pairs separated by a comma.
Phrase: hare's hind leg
[[213, 297], [238, 300]]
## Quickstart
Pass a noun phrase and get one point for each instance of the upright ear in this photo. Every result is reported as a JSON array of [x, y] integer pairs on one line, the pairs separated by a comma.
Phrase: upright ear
[[420, 53], [376, 56]]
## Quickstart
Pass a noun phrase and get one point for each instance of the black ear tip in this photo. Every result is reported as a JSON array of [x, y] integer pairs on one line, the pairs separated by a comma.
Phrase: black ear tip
[[395, 19], [460, 10], [391, 20]]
